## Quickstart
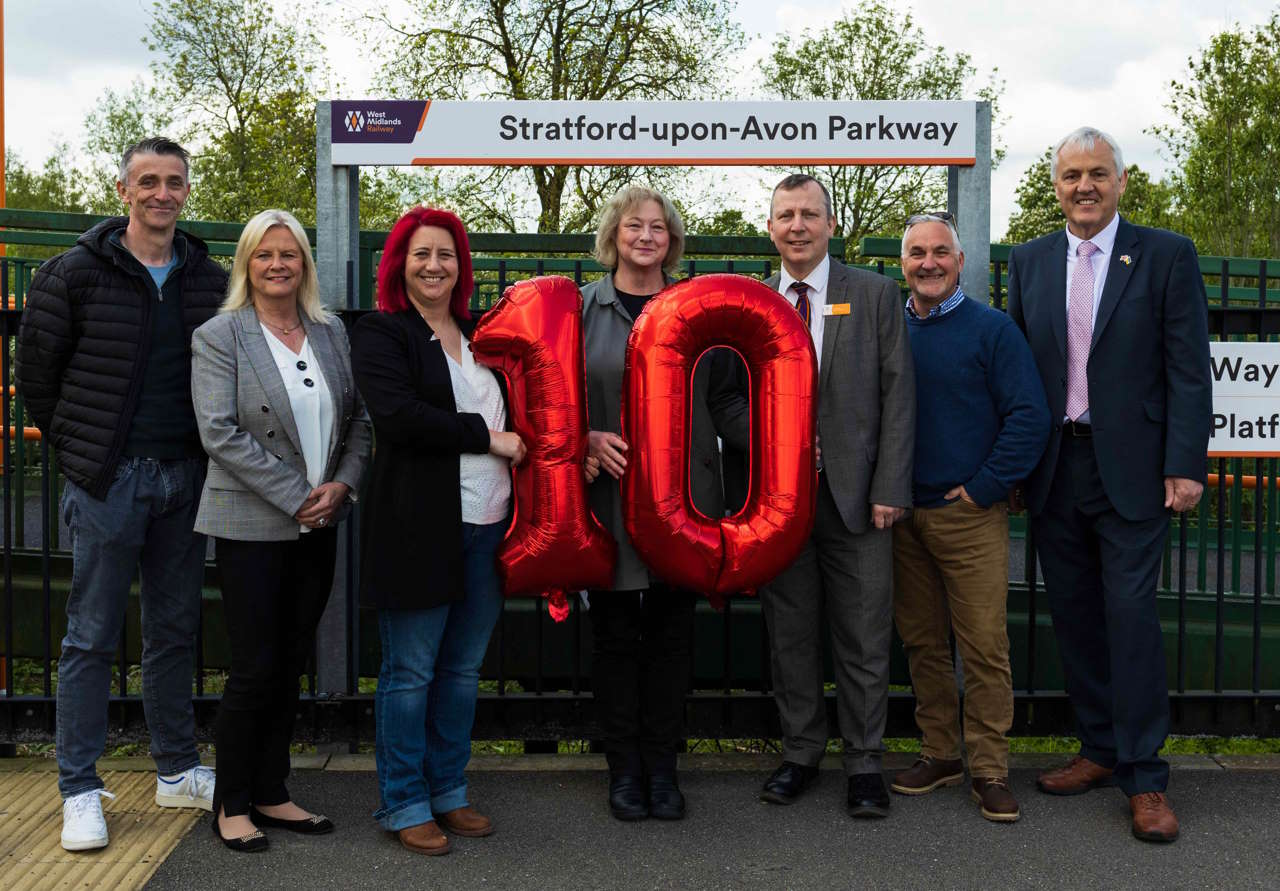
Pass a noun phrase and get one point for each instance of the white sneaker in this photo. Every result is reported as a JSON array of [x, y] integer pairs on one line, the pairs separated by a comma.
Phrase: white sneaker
[[191, 788], [83, 826]]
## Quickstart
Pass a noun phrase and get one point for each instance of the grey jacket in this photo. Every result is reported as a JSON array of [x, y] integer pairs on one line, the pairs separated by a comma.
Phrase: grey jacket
[[866, 395], [719, 408], [257, 477]]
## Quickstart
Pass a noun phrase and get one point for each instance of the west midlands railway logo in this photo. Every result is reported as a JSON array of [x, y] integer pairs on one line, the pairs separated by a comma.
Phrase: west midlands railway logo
[[355, 121]]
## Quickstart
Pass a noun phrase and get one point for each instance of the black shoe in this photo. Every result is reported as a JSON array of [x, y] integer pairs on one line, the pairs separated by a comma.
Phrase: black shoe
[[248, 844], [627, 797], [666, 802], [867, 796], [787, 782], [316, 824]]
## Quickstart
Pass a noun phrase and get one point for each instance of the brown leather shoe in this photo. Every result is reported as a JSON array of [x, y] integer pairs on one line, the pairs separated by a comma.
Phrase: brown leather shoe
[[1153, 819], [927, 774], [1079, 775], [995, 799], [425, 838], [466, 821]]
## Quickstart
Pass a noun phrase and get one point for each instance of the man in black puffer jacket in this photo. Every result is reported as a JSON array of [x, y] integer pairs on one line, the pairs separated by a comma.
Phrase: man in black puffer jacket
[[104, 367]]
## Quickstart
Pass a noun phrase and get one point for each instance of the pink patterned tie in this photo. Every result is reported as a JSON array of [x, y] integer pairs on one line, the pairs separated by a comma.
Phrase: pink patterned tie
[[1080, 330]]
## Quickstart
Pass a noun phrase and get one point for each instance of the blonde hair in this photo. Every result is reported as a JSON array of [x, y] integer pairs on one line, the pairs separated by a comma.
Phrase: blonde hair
[[627, 199], [239, 294]]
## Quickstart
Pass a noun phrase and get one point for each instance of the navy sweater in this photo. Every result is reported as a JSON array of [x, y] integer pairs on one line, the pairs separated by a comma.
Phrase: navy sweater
[[981, 416]]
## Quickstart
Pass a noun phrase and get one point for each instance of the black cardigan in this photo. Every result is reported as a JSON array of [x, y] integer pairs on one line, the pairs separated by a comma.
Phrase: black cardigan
[[412, 521]]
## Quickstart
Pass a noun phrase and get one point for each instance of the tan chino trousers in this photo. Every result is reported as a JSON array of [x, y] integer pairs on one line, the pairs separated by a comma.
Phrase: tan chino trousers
[[951, 573]]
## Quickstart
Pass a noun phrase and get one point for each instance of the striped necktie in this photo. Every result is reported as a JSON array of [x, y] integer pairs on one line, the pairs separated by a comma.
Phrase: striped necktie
[[802, 302], [1080, 330]]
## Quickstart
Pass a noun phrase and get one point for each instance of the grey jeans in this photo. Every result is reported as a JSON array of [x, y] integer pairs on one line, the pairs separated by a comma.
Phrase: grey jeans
[[145, 522]]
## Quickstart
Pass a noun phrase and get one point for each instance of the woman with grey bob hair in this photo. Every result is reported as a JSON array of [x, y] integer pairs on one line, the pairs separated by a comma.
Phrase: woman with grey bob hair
[[288, 440], [643, 626]]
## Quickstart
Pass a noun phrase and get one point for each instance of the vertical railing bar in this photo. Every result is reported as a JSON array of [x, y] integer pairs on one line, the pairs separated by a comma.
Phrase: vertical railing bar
[[1218, 654], [1032, 617], [1182, 607], [575, 607], [45, 588], [8, 494]]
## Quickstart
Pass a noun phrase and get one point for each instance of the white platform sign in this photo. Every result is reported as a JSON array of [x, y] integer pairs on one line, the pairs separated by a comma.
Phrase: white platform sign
[[400, 132], [1246, 399]]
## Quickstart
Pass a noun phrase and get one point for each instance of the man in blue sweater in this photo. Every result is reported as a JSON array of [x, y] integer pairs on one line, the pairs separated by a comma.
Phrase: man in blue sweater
[[981, 424]]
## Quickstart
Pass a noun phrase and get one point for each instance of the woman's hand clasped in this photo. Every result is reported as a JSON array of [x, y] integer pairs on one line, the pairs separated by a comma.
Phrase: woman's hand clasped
[[508, 445], [321, 506], [607, 449]]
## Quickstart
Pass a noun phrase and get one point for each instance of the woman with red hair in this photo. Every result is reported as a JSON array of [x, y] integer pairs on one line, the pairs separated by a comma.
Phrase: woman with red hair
[[439, 504]]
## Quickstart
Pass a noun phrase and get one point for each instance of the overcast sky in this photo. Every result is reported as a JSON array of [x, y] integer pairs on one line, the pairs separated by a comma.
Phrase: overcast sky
[[1062, 65]]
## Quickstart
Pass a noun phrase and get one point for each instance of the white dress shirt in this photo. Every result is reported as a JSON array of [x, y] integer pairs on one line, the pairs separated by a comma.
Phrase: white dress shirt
[[312, 405], [485, 479], [817, 282]]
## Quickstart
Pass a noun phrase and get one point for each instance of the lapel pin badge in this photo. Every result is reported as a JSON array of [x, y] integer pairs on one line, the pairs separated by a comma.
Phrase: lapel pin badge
[[1126, 259], [835, 309]]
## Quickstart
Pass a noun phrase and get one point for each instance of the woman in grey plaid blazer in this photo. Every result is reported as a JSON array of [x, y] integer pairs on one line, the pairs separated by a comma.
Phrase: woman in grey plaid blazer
[[288, 440]]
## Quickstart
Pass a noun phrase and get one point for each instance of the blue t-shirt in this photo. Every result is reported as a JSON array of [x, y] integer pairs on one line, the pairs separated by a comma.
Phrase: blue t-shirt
[[160, 273]]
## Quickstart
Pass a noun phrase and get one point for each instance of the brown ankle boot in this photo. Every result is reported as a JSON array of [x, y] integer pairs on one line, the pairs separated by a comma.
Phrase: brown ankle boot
[[466, 821], [425, 838]]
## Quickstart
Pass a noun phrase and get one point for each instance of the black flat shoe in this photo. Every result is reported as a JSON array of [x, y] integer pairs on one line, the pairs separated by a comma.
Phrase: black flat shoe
[[868, 796], [316, 824], [247, 844], [787, 783], [627, 797], [666, 802]]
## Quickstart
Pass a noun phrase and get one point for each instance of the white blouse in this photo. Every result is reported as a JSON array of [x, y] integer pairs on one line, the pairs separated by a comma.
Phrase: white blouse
[[485, 479], [309, 400]]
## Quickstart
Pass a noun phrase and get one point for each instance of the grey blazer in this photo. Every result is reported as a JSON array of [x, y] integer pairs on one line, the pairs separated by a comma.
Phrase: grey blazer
[[718, 409], [866, 395], [257, 477]]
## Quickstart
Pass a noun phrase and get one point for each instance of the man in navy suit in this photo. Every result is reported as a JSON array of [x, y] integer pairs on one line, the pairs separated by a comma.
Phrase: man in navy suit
[[1116, 317]]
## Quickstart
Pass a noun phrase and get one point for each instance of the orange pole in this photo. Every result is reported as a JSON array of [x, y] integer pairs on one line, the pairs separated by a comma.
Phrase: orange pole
[[1247, 482]]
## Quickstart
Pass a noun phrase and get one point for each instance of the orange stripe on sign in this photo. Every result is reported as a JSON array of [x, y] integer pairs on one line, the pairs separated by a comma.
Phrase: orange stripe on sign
[[691, 162], [1244, 454], [423, 119]]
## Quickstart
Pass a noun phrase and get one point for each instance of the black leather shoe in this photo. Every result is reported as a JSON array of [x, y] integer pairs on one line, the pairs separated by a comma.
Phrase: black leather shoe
[[868, 796], [250, 844], [666, 802], [627, 797], [316, 824], [787, 782]]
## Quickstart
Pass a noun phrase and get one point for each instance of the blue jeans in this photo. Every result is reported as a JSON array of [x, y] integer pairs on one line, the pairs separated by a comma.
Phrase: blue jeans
[[426, 700], [145, 522]]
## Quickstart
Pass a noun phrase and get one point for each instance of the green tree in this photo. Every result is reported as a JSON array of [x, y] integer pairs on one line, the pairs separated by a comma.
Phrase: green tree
[[1146, 201], [56, 185], [1226, 144], [875, 52], [240, 77], [549, 49], [119, 119]]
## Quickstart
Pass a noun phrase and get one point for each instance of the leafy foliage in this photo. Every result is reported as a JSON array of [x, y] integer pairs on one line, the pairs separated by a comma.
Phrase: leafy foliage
[[554, 50], [1226, 143], [871, 52]]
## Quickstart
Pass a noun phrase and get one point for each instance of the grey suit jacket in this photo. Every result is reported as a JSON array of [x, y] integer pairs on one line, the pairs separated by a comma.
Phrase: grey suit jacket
[[866, 395], [257, 477]]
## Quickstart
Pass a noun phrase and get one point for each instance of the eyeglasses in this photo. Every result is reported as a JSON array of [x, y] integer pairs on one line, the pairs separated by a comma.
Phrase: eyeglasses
[[936, 216]]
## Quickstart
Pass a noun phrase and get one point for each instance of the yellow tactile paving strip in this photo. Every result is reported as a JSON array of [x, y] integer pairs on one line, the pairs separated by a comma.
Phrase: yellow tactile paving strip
[[142, 834]]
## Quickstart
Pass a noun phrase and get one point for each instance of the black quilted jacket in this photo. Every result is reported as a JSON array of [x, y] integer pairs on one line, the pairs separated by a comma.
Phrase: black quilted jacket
[[85, 338]]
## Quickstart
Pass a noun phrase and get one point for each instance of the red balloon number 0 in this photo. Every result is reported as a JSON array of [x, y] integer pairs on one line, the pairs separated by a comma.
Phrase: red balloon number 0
[[719, 555], [534, 336]]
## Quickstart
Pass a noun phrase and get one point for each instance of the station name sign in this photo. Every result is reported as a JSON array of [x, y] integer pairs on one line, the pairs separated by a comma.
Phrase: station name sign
[[441, 133], [1246, 399]]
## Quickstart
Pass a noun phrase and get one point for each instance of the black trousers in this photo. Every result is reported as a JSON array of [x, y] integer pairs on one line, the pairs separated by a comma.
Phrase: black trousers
[[1100, 573], [640, 667], [273, 593]]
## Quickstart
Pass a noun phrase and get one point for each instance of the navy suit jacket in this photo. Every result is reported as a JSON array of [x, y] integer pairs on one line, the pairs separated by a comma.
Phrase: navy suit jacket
[[1150, 391]]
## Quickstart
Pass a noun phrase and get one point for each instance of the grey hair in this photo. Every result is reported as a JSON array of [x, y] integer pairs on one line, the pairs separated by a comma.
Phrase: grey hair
[[919, 218], [626, 199], [1085, 138], [799, 181], [154, 145]]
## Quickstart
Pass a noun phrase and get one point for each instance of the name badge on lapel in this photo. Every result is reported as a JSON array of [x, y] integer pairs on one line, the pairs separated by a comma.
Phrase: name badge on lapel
[[835, 309]]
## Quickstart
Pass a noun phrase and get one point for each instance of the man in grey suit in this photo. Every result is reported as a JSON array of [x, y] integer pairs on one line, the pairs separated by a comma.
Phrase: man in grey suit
[[843, 579]]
